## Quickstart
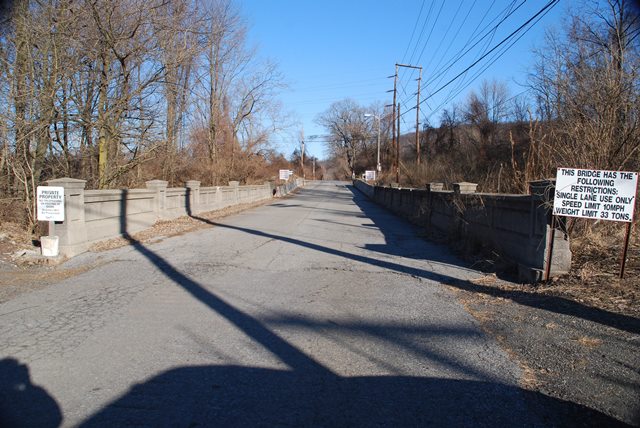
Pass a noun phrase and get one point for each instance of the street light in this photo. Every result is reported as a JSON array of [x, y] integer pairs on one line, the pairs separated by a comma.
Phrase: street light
[[378, 167]]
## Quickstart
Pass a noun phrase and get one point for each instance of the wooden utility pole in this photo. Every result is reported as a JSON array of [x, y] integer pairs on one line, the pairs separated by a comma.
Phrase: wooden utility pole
[[302, 152], [398, 149], [418, 120], [415, 67], [302, 159], [394, 142]]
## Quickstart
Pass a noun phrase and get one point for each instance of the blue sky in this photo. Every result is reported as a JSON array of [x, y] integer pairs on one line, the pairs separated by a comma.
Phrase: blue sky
[[330, 50]]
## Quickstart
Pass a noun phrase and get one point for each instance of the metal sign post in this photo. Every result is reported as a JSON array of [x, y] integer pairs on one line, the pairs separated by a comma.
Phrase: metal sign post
[[547, 275], [625, 248]]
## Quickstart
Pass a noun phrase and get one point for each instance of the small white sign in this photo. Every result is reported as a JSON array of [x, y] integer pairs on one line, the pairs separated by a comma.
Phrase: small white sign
[[50, 203], [369, 175], [284, 174], [595, 194]]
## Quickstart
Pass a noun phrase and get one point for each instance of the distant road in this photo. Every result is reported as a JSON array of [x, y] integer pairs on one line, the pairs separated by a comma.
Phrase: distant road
[[317, 310]]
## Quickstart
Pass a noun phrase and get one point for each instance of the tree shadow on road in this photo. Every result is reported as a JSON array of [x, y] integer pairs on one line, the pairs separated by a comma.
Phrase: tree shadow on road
[[225, 396], [381, 218], [309, 394]]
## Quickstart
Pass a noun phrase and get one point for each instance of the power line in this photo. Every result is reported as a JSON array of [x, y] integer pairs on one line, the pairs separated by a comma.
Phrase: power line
[[449, 64], [507, 12], [413, 32], [421, 31], [424, 46], [549, 5], [430, 33], [497, 56], [536, 17], [451, 26]]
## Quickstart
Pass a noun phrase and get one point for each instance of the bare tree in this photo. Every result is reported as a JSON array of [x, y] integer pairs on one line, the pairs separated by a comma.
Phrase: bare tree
[[177, 27], [104, 89], [237, 89], [485, 110], [349, 129], [587, 86]]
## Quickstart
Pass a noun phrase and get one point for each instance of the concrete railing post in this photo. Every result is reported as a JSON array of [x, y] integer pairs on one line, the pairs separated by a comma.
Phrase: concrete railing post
[[464, 188], [542, 193], [72, 232], [219, 200], [193, 197], [160, 199], [435, 187], [236, 191]]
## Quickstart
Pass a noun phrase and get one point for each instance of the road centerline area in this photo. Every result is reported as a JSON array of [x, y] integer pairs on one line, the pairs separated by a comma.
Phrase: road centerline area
[[316, 310]]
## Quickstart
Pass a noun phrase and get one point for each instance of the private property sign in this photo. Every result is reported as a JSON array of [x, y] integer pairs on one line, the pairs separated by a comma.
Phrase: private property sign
[[284, 174], [50, 202], [595, 194]]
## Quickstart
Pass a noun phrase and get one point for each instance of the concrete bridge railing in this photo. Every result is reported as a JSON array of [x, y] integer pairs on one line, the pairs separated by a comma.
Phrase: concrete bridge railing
[[96, 215], [517, 227]]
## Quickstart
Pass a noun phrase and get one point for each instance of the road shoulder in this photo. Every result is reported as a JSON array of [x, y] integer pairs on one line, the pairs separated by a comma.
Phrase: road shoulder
[[567, 350]]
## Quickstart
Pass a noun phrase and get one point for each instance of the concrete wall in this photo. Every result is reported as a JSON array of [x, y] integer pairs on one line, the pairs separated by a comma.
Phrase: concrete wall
[[96, 215], [515, 226]]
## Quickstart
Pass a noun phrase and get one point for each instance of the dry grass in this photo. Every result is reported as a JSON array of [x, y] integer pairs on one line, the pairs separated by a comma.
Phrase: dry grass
[[167, 228]]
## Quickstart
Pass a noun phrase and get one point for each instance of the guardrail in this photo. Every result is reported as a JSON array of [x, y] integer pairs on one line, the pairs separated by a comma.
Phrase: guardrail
[[96, 215], [517, 227]]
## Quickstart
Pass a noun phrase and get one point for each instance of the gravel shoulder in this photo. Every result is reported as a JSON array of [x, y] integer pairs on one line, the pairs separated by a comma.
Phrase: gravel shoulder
[[567, 349]]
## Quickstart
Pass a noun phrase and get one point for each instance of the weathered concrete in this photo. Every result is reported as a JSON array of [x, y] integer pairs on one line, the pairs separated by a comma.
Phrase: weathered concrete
[[517, 227], [319, 310], [72, 232], [96, 215]]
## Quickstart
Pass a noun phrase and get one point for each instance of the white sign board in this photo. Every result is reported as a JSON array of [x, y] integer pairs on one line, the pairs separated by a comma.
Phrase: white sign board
[[284, 174], [595, 194], [50, 202], [369, 175]]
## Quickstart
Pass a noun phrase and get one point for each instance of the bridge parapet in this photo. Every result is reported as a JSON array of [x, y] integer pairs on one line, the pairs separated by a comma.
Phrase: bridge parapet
[[517, 227], [96, 215]]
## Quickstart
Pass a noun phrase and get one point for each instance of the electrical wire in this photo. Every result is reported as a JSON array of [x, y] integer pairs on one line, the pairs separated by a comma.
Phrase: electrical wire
[[461, 54], [490, 63], [507, 12], [413, 32], [545, 8]]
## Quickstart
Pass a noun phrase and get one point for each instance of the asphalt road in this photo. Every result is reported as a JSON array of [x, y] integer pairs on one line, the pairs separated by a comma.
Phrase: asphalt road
[[317, 310]]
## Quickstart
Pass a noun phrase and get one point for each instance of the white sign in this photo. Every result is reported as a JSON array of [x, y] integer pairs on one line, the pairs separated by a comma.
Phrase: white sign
[[50, 202], [595, 194], [369, 175], [284, 174]]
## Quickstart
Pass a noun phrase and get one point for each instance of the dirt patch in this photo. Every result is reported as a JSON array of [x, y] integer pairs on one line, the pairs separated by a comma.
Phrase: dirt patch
[[594, 278], [15, 242], [18, 281]]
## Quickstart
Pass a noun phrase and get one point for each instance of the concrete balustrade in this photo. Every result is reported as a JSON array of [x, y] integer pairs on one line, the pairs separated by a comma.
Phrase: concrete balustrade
[[96, 215], [517, 227]]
